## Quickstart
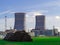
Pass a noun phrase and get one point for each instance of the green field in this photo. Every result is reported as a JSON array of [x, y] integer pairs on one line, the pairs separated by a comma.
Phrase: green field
[[36, 41]]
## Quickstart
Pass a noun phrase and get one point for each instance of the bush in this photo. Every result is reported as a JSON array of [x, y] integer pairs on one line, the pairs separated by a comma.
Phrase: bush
[[21, 36]]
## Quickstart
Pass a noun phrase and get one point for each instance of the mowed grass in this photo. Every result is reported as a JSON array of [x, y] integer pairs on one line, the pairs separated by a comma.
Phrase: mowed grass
[[36, 41]]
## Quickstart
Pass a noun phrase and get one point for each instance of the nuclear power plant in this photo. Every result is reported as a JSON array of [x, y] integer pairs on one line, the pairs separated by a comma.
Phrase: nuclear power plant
[[39, 29], [19, 21], [40, 25], [40, 22]]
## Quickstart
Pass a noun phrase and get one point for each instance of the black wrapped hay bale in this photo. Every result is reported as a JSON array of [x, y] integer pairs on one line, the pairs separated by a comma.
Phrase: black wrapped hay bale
[[21, 36]]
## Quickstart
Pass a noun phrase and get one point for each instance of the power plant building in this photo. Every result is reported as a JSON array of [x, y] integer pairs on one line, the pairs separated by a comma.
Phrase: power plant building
[[49, 32], [19, 21], [40, 25], [40, 22]]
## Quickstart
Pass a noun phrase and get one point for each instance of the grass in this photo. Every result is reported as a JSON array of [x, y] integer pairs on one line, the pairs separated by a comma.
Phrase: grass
[[36, 41]]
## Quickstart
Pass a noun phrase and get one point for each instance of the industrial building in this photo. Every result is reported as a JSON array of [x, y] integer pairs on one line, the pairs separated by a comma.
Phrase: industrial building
[[40, 22], [49, 32], [19, 21], [55, 32], [40, 25], [58, 33]]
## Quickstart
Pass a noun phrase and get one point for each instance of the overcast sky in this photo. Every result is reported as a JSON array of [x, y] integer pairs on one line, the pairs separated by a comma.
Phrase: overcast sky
[[49, 8]]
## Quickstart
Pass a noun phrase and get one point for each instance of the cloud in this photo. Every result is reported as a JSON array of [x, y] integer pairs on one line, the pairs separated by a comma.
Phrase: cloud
[[5, 12], [57, 17], [10, 23], [44, 7], [51, 21], [29, 22], [52, 3], [37, 13], [33, 13]]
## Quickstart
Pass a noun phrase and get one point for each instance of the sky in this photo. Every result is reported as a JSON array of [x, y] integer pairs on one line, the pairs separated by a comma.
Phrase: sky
[[49, 8]]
